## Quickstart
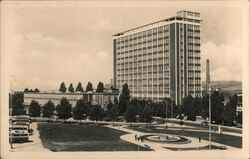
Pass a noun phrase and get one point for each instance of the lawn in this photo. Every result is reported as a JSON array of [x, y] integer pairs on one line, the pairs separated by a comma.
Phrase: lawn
[[74, 137], [229, 140]]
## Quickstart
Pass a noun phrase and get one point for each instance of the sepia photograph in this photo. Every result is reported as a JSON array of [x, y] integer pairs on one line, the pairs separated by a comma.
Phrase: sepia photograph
[[125, 79]]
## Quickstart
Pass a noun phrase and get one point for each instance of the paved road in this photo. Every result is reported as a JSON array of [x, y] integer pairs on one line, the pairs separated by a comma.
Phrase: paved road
[[34, 143]]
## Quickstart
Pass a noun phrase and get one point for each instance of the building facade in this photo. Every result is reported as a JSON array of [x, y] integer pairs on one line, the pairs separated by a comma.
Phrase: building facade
[[96, 98], [160, 59], [43, 97]]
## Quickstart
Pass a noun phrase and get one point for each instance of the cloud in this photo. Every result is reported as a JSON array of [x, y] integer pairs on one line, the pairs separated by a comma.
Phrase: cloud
[[45, 61], [225, 60]]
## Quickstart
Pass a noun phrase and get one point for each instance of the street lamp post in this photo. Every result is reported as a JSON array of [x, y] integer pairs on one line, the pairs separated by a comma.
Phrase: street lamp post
[[172, 108], [166, 112], [209, 94]]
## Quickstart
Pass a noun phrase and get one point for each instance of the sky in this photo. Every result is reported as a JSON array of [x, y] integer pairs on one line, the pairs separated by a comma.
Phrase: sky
[[46, 43]]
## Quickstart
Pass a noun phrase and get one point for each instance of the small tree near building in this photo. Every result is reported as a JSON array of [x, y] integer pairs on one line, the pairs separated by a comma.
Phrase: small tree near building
[[80, 110], [34, 109], [89, 87], [48, 110], [100, 87], [62, 88], [17, 106], [112, 112], [79, 87], [36, 90], [124, 99], [26, 90], [96, 113], [146, 115], [230, 111], [130, 114], [64, 109], [71, 88]]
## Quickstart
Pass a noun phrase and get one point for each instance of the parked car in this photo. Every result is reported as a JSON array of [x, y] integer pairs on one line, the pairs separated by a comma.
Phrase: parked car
[[204, 124], [18, 133], [21, 119]]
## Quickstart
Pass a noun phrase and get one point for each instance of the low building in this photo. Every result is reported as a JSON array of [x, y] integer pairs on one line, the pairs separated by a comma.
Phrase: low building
[[95, 98], [104, 97], [44, 97]]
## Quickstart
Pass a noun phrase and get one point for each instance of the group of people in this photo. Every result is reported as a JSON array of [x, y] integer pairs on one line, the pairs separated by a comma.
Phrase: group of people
[[138, 138]]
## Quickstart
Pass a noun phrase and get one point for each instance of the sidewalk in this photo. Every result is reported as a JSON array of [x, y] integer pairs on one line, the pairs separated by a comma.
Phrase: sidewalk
[[156, 146], [34, 144]]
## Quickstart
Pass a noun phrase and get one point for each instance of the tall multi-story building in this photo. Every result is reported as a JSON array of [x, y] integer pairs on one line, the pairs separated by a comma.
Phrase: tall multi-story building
[[160, 59]]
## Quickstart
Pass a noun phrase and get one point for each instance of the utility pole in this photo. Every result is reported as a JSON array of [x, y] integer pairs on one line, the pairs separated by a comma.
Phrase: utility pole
[[166, 111], [171, 109], [209, 94]]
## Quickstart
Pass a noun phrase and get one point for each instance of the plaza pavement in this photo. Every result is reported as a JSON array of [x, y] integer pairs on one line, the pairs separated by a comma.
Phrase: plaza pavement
[[34, 144], [156, 146]]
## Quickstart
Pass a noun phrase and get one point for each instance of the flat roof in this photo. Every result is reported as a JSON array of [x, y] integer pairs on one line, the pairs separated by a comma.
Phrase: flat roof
[[164, 20]]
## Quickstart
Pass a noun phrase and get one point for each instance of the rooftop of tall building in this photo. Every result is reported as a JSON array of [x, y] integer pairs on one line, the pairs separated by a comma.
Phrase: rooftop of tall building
[[183, 15]]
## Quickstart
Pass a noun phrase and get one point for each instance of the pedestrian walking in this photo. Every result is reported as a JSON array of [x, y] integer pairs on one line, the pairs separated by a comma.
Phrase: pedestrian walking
[[199, 139], [135, 137]]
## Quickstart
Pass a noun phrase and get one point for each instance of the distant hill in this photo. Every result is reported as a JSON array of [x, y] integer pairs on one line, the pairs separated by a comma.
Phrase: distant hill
[[228, 87]]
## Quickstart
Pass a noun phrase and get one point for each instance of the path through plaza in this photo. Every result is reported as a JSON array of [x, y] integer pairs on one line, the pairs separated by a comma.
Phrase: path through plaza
[[157, 146]]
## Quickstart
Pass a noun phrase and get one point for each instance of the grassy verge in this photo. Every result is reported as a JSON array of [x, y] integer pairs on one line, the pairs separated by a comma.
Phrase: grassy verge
[[74, 137]]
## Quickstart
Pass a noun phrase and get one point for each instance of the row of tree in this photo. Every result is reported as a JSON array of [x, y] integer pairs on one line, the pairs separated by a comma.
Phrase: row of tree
[[141, 110], [65, 111], [191, 107], [79, 88], [83, 109], [36, 90]]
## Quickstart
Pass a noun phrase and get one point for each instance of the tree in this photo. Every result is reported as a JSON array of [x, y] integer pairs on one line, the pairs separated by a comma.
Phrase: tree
[[96, 113], [112, 112], [26, 90], [239, 117], [116, 101], [89, 87], [80, 110], [62, 87], [79, 87], [34, 109], [230, 111], [36, 90], [188, 107], [48, 109], [64, 109], [130, 114], [205, 106], [124, 99], [100, 87], [71, 88], [146, 114], [217, 107], [17, 106], [167, 107], [198, 106]]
